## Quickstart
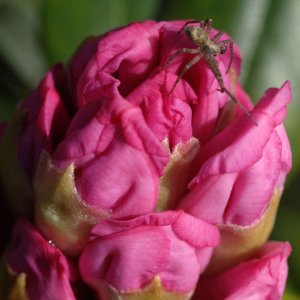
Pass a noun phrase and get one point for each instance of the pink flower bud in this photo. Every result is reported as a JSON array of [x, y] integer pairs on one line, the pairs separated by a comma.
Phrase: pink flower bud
[[111, 106], [134, 174], [127, 255], [103, 120], [239, 168], [44, 269], [262, 277]]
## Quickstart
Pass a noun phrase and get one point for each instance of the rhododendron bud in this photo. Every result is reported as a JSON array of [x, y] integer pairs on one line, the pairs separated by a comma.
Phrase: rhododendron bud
[[241, 170], [261, 277], [138, 172], [36, 269], [129, 257], [109, 118], [241, 162]]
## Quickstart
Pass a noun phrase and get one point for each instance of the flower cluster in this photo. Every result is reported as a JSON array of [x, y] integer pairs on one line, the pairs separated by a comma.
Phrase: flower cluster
[[123, 190]]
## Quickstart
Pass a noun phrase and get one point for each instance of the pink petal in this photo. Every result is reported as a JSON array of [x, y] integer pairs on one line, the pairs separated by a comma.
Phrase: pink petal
[[124, 56], [254, 187], [172, 40], [168, 116], [105, 259], [108, 141], [78, 63], [46, 268], [209, 199], [45, 123], [286, 156], [250, 156], [237, 147], [262, 277], [243, 97], [274, 102], [232, 149], [177, 258], [199, 77]]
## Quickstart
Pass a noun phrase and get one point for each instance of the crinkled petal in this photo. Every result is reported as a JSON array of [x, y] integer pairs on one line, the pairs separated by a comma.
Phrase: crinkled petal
[[262, 277], [251, 154], [124, 56], [286, 156], [241, 144], [129, 254], [199, 76], [46, 268], [78, 63], [45, 123], [168, 116], [109, 141], [209, 199], [254, 186]]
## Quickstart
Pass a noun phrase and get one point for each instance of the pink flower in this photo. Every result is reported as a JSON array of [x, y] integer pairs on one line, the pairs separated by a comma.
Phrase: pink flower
[[239, 168], [109, 113], [114, 164], [45, 270], [127, 255], [262, 277], [103, 120]]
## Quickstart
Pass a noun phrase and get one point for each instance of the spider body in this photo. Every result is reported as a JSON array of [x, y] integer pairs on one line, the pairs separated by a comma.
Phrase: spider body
[[201, 38], [206, 48]]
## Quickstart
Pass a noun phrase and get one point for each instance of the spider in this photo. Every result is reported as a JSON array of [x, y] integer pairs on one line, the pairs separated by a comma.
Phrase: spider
[[207, 48]]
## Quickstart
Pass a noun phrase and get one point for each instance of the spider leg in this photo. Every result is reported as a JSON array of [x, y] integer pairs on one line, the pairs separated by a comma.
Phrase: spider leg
[[217, 36], [230, 42], [185, 69], [208, 25], [213, 64], [193, 21], [240, 105], [180, 51]]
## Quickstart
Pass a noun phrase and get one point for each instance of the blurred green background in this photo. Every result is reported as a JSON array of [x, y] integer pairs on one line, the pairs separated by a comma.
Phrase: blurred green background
[[36, 33]]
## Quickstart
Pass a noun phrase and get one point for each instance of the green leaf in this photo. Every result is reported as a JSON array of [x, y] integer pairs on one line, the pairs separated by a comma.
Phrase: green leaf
[[290, 220], [286, 228], [290, 294], [19, 45], [67, 23], [222, 12], [276, 60], [247, 34], [6, 107]]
